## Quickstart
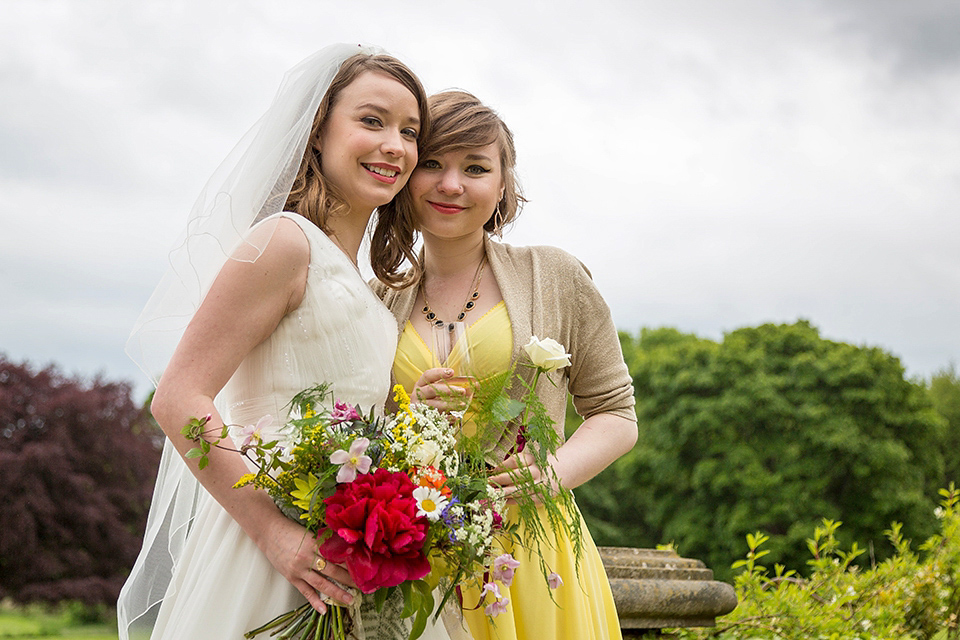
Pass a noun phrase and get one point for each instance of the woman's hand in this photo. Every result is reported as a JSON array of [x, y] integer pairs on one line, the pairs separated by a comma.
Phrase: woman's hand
[[293, 553], [600, 440], [435, 389], [514, 469]]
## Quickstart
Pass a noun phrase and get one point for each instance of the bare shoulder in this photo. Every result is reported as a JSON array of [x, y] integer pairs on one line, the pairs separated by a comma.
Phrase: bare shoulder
[[284, 242], [272, 265]]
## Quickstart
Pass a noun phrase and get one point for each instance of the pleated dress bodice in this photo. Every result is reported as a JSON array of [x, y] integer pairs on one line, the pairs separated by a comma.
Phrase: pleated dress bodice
[[341, 334]]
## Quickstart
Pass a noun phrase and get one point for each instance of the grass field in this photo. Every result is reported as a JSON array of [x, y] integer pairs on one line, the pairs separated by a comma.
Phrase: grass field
[[39, 624]]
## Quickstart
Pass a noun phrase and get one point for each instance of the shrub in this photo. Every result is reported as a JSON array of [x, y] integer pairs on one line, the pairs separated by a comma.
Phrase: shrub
[[909, 595]]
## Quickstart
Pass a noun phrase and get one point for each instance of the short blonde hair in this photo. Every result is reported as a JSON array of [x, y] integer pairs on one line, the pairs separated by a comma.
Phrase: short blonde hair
[[458, 120]]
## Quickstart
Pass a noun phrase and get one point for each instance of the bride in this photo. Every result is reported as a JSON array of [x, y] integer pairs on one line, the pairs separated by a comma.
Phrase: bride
[[263, 298]]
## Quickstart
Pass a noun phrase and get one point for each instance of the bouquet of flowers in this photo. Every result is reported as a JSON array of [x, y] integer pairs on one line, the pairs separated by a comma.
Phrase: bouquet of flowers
[[402, 501]]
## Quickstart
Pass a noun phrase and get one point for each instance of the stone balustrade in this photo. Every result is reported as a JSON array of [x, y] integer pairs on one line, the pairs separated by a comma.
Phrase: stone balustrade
[[657, 589]]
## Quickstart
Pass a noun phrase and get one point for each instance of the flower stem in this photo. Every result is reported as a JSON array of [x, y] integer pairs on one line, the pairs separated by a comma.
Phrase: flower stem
[[531, 392]]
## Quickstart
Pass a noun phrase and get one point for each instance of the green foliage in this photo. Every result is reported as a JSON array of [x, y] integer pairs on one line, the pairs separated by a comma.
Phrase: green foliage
[[66, 619], [909, 595], [769, 430], [83, 613], [944, 389]]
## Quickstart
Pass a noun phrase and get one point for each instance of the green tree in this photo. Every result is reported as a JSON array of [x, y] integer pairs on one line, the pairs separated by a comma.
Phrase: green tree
[[944, 391], [770, 430]]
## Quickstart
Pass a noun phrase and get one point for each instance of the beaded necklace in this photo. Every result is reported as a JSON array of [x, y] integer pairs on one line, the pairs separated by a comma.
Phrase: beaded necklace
[[468, 305]]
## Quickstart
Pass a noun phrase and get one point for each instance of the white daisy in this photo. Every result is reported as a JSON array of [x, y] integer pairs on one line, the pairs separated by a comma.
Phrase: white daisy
[[430, 502]]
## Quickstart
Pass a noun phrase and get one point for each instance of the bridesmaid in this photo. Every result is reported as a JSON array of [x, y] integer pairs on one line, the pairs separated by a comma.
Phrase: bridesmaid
[[463, 190]]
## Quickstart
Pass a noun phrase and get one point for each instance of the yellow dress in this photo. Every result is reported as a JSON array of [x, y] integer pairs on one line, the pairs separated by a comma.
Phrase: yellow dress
[[584, 607]]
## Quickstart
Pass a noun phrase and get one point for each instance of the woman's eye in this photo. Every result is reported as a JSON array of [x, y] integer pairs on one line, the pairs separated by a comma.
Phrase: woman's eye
[[429, 164], [371, 121], [476, 169], [411, 133]]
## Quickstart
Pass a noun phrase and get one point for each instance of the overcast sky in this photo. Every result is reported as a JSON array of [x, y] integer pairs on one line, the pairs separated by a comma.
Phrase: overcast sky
[[716, 165]]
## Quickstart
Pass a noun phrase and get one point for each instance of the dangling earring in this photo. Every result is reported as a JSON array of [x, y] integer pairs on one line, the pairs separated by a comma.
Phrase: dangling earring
[[498, 221]]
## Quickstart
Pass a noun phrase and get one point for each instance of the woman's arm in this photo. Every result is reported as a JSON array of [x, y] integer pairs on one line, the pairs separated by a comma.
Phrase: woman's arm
[[243, 307], [599, 441], [598, 379]]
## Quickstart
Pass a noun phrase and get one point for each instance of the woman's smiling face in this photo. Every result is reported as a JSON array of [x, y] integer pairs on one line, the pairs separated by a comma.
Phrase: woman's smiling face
[[368, 146], [455, 193]]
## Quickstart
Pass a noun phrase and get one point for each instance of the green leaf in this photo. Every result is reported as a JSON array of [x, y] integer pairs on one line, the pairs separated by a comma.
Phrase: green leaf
[[505, 408], [380, 597], [420, 621], [416, 601]]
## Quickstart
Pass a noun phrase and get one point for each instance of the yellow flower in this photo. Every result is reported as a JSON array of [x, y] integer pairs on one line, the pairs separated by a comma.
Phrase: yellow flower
[[304, 493], [244, 480], [403, 402], [265, 481]]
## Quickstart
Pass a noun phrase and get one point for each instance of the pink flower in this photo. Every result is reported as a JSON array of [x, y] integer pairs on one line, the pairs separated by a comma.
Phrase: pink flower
[[252, 434], [353, 461], [491, 587], [374, 529], [504, 567], [343, 412], [496, 608], [554, 580]]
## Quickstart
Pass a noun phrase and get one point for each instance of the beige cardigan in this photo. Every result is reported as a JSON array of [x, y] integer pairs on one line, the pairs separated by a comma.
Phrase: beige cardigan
[[550, 294]]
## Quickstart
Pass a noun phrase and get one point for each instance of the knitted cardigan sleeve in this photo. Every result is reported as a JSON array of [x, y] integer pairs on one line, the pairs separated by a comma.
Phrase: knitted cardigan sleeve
[[597, 378]]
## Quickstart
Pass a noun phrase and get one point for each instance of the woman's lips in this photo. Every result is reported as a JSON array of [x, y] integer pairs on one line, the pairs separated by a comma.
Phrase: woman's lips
[[383, 172], [444, 207]]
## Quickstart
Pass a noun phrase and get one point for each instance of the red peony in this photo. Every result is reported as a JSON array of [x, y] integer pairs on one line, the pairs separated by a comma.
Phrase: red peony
[[376, 531]]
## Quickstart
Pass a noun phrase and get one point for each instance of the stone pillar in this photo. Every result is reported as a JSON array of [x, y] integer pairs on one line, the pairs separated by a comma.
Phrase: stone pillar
[[657, 589]]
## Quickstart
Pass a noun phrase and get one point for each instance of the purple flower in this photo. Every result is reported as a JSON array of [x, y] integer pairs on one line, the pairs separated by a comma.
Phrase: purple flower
[[448, 518], [491, 587], [343, 412], [521, 439]]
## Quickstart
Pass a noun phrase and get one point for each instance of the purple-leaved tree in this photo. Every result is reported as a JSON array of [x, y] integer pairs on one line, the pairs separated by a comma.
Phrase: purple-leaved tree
[[77, 466]]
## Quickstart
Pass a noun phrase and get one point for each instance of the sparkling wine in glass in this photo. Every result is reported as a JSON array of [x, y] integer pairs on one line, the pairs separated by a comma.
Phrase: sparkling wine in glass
[[452, 349]]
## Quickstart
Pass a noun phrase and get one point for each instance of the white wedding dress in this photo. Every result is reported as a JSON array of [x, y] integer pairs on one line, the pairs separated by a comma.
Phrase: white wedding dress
[[223, 586]]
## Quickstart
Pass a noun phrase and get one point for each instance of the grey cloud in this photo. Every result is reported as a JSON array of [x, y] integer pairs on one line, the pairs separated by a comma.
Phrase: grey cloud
[[916, 37]]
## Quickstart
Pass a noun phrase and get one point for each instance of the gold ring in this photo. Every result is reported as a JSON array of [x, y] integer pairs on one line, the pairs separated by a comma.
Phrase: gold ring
[[319, 564]]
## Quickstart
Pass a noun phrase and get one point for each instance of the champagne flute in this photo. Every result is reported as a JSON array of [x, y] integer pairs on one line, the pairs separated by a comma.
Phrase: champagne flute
[[452, 349]]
